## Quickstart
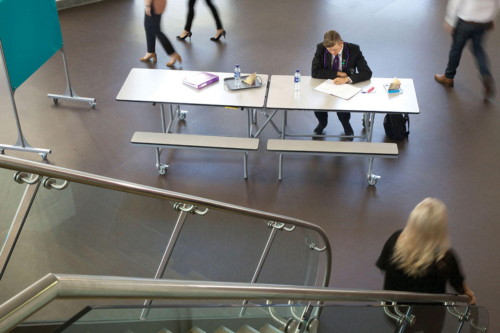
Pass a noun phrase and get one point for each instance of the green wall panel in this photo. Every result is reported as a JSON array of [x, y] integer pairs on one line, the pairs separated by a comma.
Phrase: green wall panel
[[30, 34]]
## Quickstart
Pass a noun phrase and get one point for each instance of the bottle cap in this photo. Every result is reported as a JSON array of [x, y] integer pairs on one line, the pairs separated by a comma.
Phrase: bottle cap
[[237, 65], [297, 70]]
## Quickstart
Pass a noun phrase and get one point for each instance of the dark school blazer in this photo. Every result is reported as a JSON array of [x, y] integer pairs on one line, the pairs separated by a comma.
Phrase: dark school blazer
[[352, 59]]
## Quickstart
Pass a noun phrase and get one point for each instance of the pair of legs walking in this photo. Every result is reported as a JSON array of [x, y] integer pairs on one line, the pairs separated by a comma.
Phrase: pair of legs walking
[[187, 28], [153, 31], [462, 33]]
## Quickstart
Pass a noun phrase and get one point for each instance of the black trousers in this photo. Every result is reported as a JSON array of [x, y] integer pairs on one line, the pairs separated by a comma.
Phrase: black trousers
[[344, 118], [152, 27], [190, 16]]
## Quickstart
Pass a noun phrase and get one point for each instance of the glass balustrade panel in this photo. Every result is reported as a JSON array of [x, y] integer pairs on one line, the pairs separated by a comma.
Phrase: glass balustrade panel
[[88, 230], [193, 319], [218, 246], [291, 260], [11, 195]]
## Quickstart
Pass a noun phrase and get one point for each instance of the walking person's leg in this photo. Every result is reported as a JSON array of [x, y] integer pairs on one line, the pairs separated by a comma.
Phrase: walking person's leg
[[460, 35], [220, 30], [150, 38], [482, 59], [189, 21], [156, 26]]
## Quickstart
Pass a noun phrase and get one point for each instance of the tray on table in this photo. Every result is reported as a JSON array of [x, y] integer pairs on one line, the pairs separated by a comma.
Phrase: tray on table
[[231, 83]]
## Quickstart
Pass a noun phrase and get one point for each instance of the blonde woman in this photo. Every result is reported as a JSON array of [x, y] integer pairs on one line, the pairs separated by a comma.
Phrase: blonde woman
[[419, 258]]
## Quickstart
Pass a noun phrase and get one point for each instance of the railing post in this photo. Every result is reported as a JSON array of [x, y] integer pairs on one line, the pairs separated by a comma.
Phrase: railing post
[[260, 264], [18, 223], [166, 256]]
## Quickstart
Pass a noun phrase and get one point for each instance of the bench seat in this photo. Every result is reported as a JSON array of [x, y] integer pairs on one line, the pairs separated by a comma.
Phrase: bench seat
[[188, 141], [336, 148], [333, 147], [194, 141]]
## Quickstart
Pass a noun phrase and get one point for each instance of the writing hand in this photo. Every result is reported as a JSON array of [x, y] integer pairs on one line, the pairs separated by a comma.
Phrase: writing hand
[[448, 28], [341, 74], [341, 80], [148, 10]]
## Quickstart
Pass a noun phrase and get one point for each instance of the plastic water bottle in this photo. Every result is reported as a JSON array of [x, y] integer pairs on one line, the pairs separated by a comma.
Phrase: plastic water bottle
[[237, 75], [297, 80]]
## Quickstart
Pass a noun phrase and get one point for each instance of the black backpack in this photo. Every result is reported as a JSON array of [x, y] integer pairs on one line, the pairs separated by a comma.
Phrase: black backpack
[[395, 126]]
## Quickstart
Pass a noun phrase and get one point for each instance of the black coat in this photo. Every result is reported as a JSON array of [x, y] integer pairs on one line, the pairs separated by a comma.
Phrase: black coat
[[351, 54]]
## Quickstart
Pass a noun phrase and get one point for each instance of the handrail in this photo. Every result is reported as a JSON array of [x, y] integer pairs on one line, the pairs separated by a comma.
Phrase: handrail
[[69, 175], [59, 286]]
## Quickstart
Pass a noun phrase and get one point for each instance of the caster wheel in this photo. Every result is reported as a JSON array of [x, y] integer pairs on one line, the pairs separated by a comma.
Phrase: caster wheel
[[154, 104], [2, 151], [372, 181], [162, 171], [92, 105], [44, 156], [182, 115], [55, 100]]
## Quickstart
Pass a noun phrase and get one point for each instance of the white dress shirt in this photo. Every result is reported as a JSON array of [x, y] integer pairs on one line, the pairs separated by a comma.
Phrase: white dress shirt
[[480, 11], [340, 62]]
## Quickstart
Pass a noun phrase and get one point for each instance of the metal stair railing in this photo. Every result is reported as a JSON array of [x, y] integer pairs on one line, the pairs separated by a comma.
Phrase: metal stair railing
[[55, 286], [186, 204]]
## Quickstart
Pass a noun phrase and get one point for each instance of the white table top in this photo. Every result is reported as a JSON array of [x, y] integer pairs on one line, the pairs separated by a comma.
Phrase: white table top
[[283, 96], [165, 86]]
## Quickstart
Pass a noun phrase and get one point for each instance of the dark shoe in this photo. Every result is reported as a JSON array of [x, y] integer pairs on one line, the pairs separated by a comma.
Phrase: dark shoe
[[443, 80], [489, 87], [189, 34], [223, 33], [319, 129], [348, 131]]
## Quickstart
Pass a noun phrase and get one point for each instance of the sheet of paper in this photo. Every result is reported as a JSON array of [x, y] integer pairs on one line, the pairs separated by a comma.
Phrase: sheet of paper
[[345, 91]]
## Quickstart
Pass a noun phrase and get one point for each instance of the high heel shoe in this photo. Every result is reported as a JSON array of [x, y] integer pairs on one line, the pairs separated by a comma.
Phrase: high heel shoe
[[153, 55], [189, 34], [223, 33], [174, 59]]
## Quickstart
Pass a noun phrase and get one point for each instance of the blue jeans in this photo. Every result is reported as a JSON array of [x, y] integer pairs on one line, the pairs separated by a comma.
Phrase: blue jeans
[[463, 32]]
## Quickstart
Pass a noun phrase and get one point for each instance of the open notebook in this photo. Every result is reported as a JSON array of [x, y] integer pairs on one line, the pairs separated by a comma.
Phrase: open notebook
[[345, 91]]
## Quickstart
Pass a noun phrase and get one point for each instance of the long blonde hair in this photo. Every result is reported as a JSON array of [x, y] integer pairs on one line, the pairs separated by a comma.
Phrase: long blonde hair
[[424, 240]]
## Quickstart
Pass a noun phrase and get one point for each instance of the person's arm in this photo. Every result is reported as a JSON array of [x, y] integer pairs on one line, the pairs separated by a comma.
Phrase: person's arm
[[317, 70], [385, 256], [451, 16], [456, 277], [364, 72], [469, 293], [148, 4]]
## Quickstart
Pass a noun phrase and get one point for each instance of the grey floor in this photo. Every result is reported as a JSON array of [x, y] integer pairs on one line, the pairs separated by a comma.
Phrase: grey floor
[[452, 153]]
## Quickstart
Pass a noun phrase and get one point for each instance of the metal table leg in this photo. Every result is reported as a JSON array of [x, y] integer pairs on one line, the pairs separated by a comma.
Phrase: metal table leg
[[249, 121], [369, 122], [268, 120], [162, 168], [283, 135], [263, 111], [245, 162], [162, 112], [171, 118]]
